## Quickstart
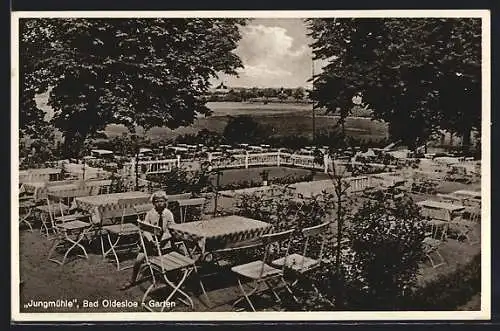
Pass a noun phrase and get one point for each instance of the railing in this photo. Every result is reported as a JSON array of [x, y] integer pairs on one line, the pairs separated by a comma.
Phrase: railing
[[233, 161], [158, 166], [245, 161], [358, 184]]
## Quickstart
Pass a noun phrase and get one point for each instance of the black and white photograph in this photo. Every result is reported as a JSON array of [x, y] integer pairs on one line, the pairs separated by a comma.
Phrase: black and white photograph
[[296, 165]]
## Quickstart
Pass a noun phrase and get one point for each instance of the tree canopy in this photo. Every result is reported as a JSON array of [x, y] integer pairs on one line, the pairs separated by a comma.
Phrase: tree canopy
[[137, 72], [418, 74]]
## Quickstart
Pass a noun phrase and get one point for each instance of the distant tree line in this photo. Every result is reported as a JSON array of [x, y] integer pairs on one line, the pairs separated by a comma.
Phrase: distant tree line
[[256, 94]]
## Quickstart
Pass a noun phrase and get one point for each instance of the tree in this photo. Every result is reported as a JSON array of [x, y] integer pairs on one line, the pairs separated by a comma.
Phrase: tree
[[136, 72], [299, 93], [417, 74], [244, 129], [209, 138], [386, 237]]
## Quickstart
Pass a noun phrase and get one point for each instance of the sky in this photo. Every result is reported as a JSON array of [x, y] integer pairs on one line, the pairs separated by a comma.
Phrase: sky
[[275, 53]]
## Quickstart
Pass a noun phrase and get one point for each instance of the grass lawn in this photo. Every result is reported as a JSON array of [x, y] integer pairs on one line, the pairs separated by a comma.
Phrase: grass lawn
[[233, 176]]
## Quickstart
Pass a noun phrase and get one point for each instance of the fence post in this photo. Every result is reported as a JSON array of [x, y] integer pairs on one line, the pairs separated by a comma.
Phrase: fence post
[[278, 158], [325, 163], [246, 160], [178, 161]]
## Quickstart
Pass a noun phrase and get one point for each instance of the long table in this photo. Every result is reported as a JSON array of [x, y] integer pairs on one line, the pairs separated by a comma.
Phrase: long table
[[109, 206], [469, 198], [220, 232], [63, 189], [440, 210]]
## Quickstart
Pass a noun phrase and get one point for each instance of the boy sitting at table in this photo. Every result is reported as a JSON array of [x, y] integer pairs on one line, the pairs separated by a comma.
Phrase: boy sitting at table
[[160, 216]]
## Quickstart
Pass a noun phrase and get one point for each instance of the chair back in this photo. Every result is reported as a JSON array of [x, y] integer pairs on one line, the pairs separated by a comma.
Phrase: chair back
[[184, 204], [50, 212], [155, 233], [271, 239], [314, 231]]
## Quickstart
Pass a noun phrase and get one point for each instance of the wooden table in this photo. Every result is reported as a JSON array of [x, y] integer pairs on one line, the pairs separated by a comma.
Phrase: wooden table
[[109, 206], [440, 210], [469, 198], [220, 232], [467, 194]]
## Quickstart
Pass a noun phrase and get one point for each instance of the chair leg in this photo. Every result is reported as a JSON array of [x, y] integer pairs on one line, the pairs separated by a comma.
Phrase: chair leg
[[149, 289], [102, 247], [246, 295], [431, 260], [76, 244], [44, 227], [441, 258], [289, 289], [56, 243], [276, 296], [209, 303], [177, 288], [113, 250]]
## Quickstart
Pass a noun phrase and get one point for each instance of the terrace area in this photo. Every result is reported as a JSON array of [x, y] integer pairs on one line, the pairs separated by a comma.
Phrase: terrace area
[[222, 229]]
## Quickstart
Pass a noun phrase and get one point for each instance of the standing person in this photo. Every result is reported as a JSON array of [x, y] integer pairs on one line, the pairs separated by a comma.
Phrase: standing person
[[160, 216]]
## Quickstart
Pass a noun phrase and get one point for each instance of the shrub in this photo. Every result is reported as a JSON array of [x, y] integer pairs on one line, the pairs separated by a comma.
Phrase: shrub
[[386, 238], [449, 291]]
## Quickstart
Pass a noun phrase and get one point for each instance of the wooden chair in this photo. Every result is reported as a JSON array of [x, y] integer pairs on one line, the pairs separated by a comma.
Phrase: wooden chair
[[302, 264], [122, 237], [69, 236], [464, 228], [50, 215], [260, 271], [160, 265], [26, 213], [190, 203], [431, 249]]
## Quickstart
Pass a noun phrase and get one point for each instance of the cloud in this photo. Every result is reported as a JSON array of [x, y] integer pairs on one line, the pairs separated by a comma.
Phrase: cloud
[[271, 58], [263, 69], [271, 44]]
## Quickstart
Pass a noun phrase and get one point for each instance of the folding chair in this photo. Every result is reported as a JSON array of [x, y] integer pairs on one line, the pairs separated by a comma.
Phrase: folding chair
[[64, 217], [69, 236], [184, 204], [161, 265], [122, 237], [301, 264], [465, 228], [261, 272], [53, 212], [431, 247], [435, 225], [26, 212]]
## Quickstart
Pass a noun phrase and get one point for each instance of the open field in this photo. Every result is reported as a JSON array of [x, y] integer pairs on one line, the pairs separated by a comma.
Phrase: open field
[[282, 119]]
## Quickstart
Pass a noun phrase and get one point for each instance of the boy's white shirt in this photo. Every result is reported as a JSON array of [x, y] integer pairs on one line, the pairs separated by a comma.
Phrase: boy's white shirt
[[152, 217]]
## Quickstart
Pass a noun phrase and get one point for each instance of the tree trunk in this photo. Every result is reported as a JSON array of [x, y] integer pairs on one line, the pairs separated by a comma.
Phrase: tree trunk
[[73, 144], [466, 141], [339, 300]]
